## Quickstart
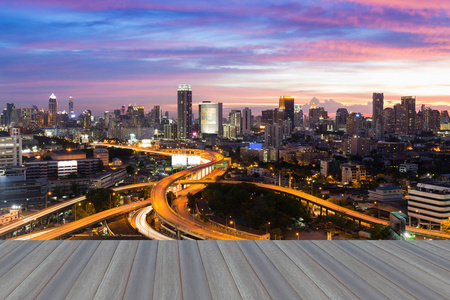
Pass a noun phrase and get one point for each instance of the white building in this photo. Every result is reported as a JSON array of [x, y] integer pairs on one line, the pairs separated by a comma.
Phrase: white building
[[403, 168], [11, 149], [386, 194], [353, 173], [210, 118], [429, 203]]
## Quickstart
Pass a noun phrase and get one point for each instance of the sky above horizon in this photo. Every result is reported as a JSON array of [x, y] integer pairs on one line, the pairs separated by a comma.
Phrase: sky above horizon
[[242, 53]]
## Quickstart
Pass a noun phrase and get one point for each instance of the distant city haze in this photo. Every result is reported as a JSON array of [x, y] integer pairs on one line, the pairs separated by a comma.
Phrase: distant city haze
[[241, 54]]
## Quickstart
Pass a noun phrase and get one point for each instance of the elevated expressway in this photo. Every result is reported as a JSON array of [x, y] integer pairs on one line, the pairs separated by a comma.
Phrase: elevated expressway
[[4, 230], [167, 215], [325, 206]]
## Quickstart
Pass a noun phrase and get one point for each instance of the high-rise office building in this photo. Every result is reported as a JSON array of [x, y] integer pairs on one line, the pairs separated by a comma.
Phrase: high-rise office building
[[273, 135], [157, 114], [246, 121], [10, 108], [377, 114], [235, 118], [267, 117], [389, 120], [405, 116], [316, 115], [341, 119], [354, 123], [52, 109], [287, 105], [298, 115], [70, 105], [11, 149], [184, 111], [210, 118]]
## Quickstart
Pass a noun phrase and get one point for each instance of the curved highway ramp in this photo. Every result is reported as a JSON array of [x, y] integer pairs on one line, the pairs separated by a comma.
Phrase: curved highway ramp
[[224, 270]]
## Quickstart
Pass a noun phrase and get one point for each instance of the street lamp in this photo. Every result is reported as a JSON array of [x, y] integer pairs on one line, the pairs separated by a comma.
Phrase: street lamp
[[189, 210], [268, 227], [378, 208], [297, 236], [226, 221], [113, 194], [46, 198], [79, 204], [418, 223], [232, 222]]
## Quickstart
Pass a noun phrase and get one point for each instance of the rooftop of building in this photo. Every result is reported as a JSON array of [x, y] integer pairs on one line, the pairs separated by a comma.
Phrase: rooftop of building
[[388, 188], [67, 152]]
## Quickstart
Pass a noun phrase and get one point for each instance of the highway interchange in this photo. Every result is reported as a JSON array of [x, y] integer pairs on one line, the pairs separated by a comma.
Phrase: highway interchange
[[178, 217]]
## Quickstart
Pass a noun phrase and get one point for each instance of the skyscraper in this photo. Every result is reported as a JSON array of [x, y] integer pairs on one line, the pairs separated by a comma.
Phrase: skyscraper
[[235, 118], [389, 120], [10, 107], [184, 111], [210, 118], [70, 105], [316, 114], [52, 109], [157, 114], [341, 119], [246, 121], [287, 105], [377, 113], [406, 115]]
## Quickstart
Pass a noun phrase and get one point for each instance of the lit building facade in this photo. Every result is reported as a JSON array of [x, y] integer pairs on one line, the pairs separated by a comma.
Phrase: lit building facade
[[52, 109], [184, 105], [210, 118]]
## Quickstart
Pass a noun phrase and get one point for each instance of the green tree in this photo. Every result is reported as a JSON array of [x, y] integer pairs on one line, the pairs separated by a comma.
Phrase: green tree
[[75, 189], [58, 192], [101, 199], [379, 232], [170, 197], [191, 201]]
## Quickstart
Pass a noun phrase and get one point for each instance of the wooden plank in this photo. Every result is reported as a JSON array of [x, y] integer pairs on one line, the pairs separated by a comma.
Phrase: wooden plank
[[321, 277], [301, 282], [13, 253], [168, 278], [387, 270], [29, 257], [220, 280], [416, 257], [35, 282], [116, 276], [432, 248], [274, 281], [64, 279], [142, 275], [360, 287], [193, 277], [384, 286], [247, 281], [433, 283], [8, 246], [90, 279]]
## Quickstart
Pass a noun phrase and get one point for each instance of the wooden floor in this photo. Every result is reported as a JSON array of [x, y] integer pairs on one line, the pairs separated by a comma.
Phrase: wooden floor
[[225, 270]]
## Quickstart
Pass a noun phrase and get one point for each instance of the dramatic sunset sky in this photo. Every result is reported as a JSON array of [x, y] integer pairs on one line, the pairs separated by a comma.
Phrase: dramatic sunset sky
[[241, 53]]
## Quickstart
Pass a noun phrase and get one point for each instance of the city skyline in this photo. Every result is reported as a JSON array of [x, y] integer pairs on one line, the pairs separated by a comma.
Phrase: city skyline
[[137, 52]]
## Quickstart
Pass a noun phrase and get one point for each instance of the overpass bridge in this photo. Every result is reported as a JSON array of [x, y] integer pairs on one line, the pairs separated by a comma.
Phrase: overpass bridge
[[326, 207], [8, 229]]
